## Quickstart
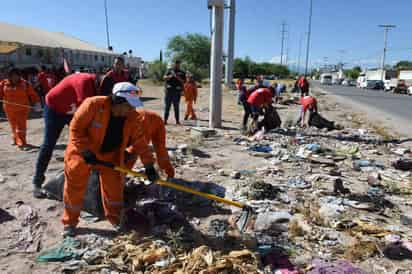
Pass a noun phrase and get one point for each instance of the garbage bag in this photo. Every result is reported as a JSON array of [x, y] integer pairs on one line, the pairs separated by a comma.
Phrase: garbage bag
[[65, 251], [92, 200], [271, 119], [316, 120]]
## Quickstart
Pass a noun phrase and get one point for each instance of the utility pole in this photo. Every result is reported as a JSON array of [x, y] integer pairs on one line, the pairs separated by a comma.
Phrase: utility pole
[[215, 115], [107, 25], [231, 42], [309, 33], [283, 33], [385, 47], [300, 52]]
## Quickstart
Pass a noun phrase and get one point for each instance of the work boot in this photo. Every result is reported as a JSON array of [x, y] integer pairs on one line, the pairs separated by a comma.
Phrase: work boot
[[69, 231], [38, 193], [25, 148]]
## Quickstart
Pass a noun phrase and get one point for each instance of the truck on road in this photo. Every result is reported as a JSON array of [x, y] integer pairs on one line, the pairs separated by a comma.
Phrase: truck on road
[[326, 79]]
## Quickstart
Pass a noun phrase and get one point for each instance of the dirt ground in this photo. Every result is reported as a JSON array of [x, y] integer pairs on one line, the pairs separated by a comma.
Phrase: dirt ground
[[217, 153]]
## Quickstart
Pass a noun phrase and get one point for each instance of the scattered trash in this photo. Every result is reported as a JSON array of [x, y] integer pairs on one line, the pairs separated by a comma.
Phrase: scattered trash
[[272, 221], [403, 164], [339, 267], [218, 227], [258, 148], [315, 148], [2, 179], [406, 219], [65, 251], [338, 187], [236, 175], [299, 183], [5, 216], [260, 190]]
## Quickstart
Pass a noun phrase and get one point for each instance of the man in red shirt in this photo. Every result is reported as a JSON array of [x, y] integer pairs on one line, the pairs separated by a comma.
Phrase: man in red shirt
[[116, 75], [258, 101], [43, 80], [61, 103], [303, 86], [308, 103]]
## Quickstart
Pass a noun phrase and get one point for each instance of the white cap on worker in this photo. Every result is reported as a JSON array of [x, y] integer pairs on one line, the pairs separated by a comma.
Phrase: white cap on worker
[[128, 91]]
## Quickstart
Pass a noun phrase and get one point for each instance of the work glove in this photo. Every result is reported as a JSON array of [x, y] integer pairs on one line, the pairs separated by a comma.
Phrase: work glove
[[151, 173], [37, 107], [89, 157]]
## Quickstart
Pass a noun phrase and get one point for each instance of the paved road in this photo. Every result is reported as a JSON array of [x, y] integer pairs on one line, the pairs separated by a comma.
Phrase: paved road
[[394, 104]]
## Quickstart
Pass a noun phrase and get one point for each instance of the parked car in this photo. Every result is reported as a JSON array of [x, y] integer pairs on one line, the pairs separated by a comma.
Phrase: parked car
[[401, 88], [375, 84], [348, 83]]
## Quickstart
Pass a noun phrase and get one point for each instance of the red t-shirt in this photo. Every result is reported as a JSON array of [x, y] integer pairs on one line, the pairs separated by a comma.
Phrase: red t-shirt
[[67, 96], [307, 102], [44, 83], [260, 97]]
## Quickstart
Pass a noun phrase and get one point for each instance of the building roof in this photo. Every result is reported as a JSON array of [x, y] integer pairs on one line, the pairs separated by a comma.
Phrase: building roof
[[43, 38]]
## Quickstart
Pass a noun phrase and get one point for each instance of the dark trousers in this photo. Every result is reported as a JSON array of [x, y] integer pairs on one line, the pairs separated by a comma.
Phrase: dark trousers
[[246, 113], [172, 98], [53, 126]]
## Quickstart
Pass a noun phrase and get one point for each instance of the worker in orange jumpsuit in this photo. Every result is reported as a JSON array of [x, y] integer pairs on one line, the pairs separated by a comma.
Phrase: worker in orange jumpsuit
[[155, 133], [18, 96], [190, 93], [104, 126]]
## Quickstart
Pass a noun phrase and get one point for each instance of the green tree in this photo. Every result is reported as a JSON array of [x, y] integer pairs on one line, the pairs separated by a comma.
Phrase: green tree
[[157, 70], [353, 73], [404, 65], [193, 50], [248, 69]]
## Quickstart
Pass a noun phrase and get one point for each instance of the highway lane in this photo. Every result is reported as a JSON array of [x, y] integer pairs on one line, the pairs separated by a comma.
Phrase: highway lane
[[393, 104]]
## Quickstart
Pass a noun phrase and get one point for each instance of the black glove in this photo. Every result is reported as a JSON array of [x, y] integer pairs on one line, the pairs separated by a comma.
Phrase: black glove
[[151, 173], [89, 157], [128, 156]]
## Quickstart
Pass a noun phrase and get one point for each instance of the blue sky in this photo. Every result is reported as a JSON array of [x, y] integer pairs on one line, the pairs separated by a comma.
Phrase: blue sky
[[342, 29]]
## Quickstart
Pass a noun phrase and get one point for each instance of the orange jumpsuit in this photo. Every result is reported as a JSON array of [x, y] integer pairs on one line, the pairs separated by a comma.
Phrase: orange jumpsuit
[[190, 97], [22, 94], [155, 133], [87, 132]]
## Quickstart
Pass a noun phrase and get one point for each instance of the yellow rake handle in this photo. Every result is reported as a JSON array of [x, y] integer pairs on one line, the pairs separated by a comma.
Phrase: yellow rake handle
[[181, 188]]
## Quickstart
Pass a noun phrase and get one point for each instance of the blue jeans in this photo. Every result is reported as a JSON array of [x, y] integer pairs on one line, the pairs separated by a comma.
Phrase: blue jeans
[[53, 126], [172, 98]]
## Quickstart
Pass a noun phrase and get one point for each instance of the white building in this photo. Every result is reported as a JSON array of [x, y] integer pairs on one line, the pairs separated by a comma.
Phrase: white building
[[24, 46]]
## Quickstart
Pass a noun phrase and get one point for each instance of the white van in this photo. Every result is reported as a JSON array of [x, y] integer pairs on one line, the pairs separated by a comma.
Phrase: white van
[[326, 79]]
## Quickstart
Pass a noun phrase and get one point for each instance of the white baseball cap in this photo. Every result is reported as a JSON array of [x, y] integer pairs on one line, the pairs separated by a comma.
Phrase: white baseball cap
[[128, 91]]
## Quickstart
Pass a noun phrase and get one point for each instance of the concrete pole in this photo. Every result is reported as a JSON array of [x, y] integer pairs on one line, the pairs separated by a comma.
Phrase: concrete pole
[[282, 45], [300, 53], [231, 43], [215, 116], [385, 47], [107, 24], [308, 41]]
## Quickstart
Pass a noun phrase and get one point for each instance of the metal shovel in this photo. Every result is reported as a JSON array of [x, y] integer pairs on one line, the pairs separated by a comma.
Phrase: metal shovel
[[241, 222]]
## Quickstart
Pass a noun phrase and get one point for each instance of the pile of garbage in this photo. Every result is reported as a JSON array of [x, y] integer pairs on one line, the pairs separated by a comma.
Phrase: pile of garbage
[[348, 197]]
